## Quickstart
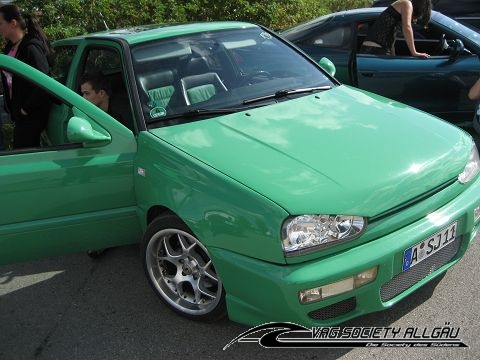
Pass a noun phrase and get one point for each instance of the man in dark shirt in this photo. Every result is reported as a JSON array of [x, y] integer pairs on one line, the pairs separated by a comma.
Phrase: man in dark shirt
[[96, 88]]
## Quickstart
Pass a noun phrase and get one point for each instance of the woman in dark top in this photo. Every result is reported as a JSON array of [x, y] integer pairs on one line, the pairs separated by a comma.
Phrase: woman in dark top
[[380, 39], [28, 105]]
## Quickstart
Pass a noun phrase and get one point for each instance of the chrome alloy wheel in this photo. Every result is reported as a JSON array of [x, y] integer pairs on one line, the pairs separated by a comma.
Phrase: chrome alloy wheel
[[182, 272]]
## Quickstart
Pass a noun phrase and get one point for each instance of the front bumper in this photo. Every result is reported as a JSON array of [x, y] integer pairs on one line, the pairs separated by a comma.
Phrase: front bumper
[[259, 292]]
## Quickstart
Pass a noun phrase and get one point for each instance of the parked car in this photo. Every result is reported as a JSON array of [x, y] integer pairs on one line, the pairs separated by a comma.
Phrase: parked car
[[255, 183], [438, 85]]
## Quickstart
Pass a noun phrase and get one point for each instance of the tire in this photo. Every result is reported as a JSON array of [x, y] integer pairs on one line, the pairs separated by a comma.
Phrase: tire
[[180, 270]]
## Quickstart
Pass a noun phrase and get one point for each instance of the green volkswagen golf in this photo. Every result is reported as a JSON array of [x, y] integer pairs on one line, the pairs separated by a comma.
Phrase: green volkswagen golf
[[257, 186]]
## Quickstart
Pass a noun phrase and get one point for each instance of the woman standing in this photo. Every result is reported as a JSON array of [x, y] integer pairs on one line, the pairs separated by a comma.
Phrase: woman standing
[[28, 105], [380, 39]]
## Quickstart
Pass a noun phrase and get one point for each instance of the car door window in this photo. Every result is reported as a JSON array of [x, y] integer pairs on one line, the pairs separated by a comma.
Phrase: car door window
[[339, 37], [438, 41], [57, 123], [107, 61], [427, 40], [8, 132], [63, 58], [55, 133], [362, 31]]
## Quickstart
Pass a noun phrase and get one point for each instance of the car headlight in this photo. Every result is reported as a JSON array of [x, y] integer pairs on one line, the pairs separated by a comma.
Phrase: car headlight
[[305, 233], [472, 168]]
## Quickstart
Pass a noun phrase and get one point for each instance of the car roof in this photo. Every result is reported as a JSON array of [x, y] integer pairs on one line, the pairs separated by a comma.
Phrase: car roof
[[143, 33], [300, 28]]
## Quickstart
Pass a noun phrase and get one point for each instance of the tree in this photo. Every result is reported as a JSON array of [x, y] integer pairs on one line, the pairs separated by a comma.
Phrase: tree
[[63, 18]]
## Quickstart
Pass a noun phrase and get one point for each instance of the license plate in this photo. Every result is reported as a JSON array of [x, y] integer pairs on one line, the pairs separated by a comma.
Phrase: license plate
[[426, 248]]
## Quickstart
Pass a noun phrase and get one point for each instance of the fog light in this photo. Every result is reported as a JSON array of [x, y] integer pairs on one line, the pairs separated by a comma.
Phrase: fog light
[[476, 214], [338, 287], [365, 277]]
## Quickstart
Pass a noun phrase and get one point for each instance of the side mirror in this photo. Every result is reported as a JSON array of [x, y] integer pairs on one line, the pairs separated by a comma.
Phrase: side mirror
[[80, 130], [328, 66], [456, 49]]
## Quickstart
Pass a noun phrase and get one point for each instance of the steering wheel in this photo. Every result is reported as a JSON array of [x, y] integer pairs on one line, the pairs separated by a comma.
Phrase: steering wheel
[[256, 77], [442, 45]]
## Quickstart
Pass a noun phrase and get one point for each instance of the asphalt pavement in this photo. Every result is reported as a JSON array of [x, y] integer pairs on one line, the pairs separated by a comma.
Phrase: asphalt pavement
[[73, 307]]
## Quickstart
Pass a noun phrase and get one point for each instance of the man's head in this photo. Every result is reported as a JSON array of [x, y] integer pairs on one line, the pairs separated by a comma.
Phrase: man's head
[[96, 89]]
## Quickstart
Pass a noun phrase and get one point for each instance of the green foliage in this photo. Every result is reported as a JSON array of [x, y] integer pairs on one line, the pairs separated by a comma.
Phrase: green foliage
[[63, 18], [335, 5]]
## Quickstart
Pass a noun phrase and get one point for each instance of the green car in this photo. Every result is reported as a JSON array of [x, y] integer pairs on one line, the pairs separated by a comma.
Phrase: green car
[[257, 186]]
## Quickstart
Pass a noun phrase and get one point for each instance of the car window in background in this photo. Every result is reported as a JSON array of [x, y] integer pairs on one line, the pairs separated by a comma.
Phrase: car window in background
[[338, 37], [306, 26], [61, 65]]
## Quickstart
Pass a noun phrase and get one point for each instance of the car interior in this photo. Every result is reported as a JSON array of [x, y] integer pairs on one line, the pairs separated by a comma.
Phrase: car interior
[[103, 60], [183, 77], [428, 40], [198, 88], [177, 76]]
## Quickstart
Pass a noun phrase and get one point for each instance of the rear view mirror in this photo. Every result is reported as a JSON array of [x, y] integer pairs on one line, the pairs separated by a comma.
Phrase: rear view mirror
[[328, 66], [80, 130]]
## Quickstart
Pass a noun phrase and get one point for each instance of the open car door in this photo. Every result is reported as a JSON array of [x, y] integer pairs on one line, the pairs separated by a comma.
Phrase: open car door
[[70, 197]]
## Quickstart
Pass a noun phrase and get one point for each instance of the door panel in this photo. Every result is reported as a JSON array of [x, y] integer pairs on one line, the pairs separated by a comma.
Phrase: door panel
[[65, 200], [50, 184], [438, 85]]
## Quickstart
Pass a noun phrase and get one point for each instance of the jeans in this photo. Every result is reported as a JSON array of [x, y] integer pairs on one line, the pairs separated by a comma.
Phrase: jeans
[[3, 119], [2, 135]]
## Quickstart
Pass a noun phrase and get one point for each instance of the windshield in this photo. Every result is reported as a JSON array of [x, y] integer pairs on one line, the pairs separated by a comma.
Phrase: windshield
[[220, 71], [466, 32]]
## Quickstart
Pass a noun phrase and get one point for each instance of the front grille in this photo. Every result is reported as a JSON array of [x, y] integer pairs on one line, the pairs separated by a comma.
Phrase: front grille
[[334, 310], [406, 279]]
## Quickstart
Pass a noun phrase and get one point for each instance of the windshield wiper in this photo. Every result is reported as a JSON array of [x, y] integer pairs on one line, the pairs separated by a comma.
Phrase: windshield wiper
[[283, 93], [196, 113], [199, 112]]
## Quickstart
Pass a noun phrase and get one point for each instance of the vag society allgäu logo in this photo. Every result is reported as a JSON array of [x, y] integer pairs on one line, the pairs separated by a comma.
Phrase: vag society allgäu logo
[[290, 335]]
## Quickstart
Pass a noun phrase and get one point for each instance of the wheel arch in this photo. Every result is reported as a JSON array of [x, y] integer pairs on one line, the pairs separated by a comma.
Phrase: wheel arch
[[171, 281], [157, 210]]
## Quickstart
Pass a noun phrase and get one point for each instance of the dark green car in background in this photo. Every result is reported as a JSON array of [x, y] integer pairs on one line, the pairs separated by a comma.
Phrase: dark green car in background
[[257, 186], [438, 85]]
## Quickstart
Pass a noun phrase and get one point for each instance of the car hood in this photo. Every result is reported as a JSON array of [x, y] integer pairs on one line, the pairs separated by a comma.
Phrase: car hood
[[339, 151]]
